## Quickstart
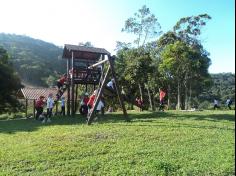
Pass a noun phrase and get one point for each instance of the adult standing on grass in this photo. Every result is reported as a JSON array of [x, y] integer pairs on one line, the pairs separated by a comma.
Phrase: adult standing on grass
[[39, 106]]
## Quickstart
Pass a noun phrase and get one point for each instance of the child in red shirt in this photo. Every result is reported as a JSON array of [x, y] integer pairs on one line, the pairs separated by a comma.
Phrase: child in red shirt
[[162, 96], [61, 81], [84, 107], [39, 106], [91, 100]]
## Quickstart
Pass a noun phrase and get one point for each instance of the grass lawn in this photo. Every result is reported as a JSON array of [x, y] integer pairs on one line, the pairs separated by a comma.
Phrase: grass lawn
[[169, 143]]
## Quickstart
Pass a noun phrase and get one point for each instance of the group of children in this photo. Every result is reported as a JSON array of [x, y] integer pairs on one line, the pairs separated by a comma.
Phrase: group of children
[[228, 103], [40, 103], [50, 102], [162, 93], [86, 104]]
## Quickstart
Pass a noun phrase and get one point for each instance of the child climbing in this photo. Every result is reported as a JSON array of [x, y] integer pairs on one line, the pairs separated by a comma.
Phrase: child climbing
[[59, 94], [91, 100], [111, 86], [61, 81], [100, 106], [60, 85]]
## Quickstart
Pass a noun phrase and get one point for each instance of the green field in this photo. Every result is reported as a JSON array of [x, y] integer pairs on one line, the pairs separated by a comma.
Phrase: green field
[[169, 143]]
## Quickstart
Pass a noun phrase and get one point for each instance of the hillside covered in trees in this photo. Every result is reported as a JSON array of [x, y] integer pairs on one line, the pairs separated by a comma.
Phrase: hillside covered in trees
[[37, 62], [222, 87]]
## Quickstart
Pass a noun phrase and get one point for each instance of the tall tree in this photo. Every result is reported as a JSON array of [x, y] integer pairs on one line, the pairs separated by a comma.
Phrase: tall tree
[[174, 61], [168, 82], [144, 25], [189, 28], [186, 65], [10, 84]]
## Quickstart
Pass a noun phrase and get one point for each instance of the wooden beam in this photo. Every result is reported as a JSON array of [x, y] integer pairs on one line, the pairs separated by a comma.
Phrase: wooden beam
[[120, 98], [34, 109], [99, 63], [76, 97], [68, 87], [72, 87], [56, 107], [26, 108], [97, 99]]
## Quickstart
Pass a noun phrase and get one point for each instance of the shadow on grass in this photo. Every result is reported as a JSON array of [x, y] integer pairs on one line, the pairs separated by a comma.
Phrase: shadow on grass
[[145, 120], [28, 125], [153, 116], [214, 116]]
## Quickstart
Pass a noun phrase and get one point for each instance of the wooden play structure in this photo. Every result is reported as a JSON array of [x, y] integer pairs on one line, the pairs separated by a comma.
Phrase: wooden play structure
[[86, 65]]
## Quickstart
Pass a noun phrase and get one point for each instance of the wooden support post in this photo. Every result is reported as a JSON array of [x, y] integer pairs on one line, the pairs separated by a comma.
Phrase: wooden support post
[[34, 109], [68, 87], [76, 97], [56, 107], [26, 108], [98, 96], [72, 87], [120, 98]]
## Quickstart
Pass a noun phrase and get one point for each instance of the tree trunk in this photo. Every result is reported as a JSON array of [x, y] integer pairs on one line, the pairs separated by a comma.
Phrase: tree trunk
[[186, 96], [178, 96], [168, 97], [190, 95], [140, 90], [154, 103], [150, 98]]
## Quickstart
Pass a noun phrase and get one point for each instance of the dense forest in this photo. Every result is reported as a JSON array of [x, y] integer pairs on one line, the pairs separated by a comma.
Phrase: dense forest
[[37, 62], [222, 87], [174, 61]]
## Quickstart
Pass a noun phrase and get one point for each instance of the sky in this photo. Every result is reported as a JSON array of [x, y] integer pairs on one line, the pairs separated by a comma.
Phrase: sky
[[100, 22]]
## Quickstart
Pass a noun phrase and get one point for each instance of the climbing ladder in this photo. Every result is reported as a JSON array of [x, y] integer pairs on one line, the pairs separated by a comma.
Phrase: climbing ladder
[[102, 86]]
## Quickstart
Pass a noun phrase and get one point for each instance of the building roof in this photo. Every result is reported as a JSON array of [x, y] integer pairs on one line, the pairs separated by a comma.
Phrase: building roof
[[35, 93], [83, 52]]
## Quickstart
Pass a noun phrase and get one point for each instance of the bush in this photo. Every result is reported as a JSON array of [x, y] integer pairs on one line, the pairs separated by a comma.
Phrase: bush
[[205, 105]]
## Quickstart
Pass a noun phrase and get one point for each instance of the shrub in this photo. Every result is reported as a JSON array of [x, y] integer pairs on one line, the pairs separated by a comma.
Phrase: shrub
[[205, 105]]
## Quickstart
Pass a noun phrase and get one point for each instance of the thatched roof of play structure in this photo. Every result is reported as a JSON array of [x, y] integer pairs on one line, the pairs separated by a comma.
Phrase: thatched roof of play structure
[[35, 93], [83, 52]]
